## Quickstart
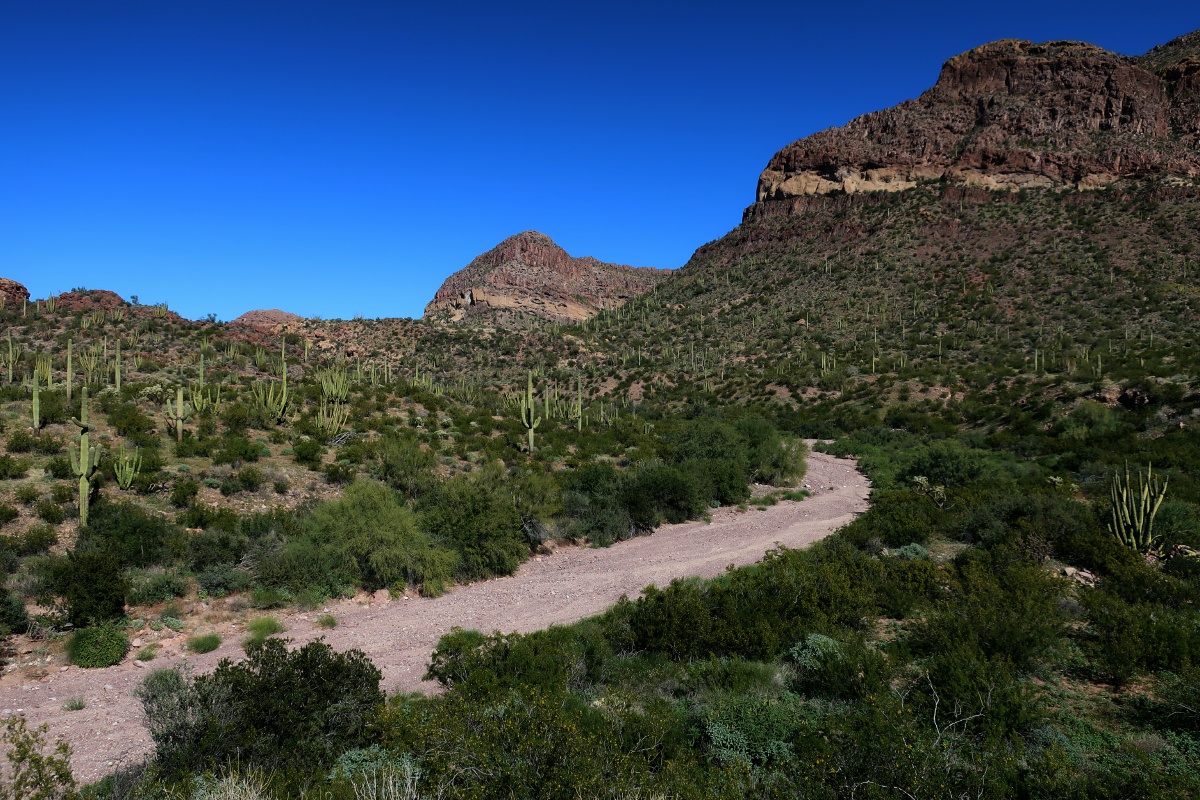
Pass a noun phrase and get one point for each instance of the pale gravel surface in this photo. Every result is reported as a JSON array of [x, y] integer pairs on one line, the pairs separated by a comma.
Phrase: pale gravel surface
[[399, 635]]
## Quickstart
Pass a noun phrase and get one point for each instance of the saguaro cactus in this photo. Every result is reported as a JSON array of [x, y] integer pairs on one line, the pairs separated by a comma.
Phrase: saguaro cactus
[[529, 417], [85, 461], [37, 403], [12, 357], [178, 415], [69, 377], [579, 403]]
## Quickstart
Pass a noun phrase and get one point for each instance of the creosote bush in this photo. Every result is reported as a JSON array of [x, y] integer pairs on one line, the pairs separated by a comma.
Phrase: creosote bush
[[101, 646]]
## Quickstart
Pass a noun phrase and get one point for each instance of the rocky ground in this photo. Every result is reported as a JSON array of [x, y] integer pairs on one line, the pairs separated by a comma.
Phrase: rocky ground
[[399, 634]]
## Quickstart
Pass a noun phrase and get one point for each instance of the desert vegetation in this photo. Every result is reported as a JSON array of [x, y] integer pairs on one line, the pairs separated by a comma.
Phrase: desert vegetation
[[1015, 616]]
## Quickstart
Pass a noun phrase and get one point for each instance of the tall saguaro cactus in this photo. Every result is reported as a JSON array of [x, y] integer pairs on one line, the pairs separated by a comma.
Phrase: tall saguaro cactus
[[178, 415], [85, 461], [37, 403], [529, 417], [578, 403]]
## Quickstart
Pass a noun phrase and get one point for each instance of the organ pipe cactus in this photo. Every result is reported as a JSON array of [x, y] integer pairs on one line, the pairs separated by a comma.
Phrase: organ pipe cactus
[[205, 398], [178, 415], [85, 461], [127, 467], [1134, 506], [273, 401], [529, 417]]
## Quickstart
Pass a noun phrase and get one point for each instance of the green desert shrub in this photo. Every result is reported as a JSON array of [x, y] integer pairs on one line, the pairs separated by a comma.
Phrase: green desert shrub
[[474, 515], [132, 534], [260, 629], [13, 616], [405, 466], [11, 468], [49, 511], [100, 646], [371, 524], [59, 467], [157, 587], [183, 491], [204, 643], [276, 709], [307, 451], [91, 582]]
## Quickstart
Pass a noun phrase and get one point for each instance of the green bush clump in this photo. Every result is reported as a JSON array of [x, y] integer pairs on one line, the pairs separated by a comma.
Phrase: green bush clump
[[36, 539], [237, 449], [22, 441], [192, 446], [13, 616], [50, 511], [59, 467], [307, 451], [184, 491], [130, 422], [91, 582], [274, 710], [158, 588], [474, 515], [250, 478], [11, 468], [102, 646], [204, 643], [381, 535], [222, 580], [28, 494], [135, 536], [744, 613], [260, 630], [405, 466], [7, 514], [340, 474]]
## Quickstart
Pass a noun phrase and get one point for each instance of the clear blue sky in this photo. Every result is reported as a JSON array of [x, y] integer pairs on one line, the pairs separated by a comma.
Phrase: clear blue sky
[[342, 157]]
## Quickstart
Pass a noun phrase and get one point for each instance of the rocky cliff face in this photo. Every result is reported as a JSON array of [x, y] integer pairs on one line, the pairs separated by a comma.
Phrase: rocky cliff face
[[1011, 115], [530, 274]]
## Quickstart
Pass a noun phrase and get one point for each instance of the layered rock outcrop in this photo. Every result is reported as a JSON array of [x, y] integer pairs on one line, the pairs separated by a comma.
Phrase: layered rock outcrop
[[529, 274], [1010, 115]]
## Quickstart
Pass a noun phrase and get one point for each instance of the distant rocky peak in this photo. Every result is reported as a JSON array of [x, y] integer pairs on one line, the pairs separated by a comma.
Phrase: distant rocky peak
[[528, 274]]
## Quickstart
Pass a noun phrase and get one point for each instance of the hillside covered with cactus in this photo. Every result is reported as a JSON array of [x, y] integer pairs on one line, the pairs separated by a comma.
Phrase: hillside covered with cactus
[[1011, 361]]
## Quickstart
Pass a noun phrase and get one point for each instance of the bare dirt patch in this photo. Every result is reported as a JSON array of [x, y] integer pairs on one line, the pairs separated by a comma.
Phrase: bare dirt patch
[[399, 635]]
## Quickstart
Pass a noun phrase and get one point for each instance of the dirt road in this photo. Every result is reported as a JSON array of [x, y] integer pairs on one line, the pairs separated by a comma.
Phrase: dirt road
[[399, 635]]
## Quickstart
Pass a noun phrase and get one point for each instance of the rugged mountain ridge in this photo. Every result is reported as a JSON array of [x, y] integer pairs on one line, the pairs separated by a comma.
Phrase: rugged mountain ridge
[[529, 274], [1011, 115]]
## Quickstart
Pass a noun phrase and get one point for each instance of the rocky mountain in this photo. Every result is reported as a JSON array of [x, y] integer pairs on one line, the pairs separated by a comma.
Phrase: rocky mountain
[[271, 319], [1038, 210], [529, 274], [1011, 115]]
